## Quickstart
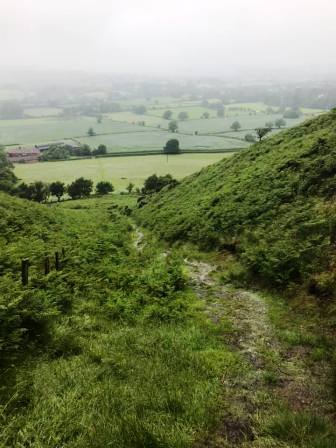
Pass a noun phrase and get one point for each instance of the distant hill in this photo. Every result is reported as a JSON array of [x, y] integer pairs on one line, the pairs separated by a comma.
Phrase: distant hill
[[273, 205]]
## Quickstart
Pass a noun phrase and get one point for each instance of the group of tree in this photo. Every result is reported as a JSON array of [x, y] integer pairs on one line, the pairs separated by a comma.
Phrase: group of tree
[[154, 183], [80, 188], [64, 152]]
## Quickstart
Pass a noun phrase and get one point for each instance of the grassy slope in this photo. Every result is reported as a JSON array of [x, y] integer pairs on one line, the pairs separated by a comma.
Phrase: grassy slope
[[109, 351], [272, 204]]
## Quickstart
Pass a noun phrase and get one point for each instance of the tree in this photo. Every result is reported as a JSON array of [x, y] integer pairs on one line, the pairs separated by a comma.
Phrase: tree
[[153, 183], [84, 150], [100, 151], [91, 132], [140, 110], [104, 187], [7, 176], [25, 191], [205, 115], [250, 138], [183, 116], [57, 189], [269, 124], [220, 112], [130, 187], [236, 126], [280, 122], [172, 147], [167, 114], [41, 191], [173, 126], [292, 113], [37, 191], [80, 188], [55, 153], [261, 132], [99, 119]]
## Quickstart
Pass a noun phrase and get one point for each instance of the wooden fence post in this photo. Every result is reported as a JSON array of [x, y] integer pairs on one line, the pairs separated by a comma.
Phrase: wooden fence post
[[46, 265], [57, 261], [25, 271]]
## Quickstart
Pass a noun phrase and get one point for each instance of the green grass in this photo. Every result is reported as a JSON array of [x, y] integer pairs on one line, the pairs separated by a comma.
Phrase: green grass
[[148, 139], [41, 130], [194, 111], [119, 170], [224, 124], [131, 117], [271, 203], [120, 131], [110, 351]]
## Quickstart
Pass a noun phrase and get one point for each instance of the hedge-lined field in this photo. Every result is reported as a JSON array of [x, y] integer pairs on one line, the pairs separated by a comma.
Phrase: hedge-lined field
[[118, 170]]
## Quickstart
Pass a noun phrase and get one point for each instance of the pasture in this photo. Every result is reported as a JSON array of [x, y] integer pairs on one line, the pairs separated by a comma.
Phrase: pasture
[[128, 131], [41, 130], [119, 170], [156, 140]]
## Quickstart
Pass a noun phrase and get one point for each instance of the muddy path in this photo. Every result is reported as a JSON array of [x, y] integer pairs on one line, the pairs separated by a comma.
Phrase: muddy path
[[272, 375]]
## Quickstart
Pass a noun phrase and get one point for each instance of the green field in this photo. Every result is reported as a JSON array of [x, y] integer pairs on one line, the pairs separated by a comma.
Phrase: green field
[[41, 130], [156, 140], [119, 170], [127, 131]]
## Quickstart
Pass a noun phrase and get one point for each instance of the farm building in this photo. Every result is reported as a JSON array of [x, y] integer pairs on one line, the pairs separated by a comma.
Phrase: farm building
[[47, 146], [23, 155]]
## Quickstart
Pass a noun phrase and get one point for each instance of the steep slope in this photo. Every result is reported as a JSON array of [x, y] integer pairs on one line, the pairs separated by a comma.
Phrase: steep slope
[[272, 204]]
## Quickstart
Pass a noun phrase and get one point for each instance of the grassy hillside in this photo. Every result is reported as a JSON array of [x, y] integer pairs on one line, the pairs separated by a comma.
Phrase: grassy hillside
[[272, 204], [111, 350]]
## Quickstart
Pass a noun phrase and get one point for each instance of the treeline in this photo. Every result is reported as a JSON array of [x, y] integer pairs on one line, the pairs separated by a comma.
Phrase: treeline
[[80, 188], [63, 152], [39, 191]]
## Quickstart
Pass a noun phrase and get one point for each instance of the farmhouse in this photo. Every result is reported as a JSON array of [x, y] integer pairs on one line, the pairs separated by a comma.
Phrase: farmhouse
[[23, 155]]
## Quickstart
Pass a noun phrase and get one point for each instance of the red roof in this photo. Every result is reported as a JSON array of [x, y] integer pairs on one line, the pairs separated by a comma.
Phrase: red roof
[[23, 152]]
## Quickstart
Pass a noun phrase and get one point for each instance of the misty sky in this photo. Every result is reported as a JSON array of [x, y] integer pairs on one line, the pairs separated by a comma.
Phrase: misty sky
[[176, 37]]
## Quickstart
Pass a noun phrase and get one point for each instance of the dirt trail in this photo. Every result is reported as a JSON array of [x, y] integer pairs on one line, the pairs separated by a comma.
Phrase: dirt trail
[[247, 309], [139, 239], [253, 337]]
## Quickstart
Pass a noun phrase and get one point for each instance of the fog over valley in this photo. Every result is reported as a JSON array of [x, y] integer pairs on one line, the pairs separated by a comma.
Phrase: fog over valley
[[217, 38]]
